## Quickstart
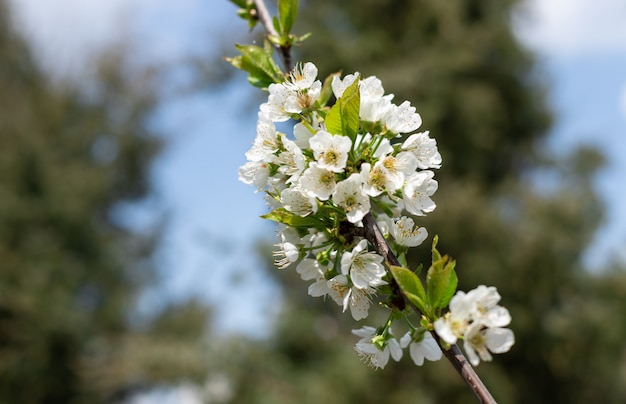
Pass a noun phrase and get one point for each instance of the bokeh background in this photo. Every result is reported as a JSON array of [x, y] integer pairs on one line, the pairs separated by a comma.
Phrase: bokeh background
[[134, 267]]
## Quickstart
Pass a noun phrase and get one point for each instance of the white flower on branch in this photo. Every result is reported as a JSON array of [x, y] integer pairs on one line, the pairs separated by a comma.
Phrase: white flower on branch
[[370, 352], [421, 346], [406, 233], [290, 160], [402, 118], [349, 196], [318, 182], [486, 309], [480, 341], [358, 300], [330, 151], [266, 141], [424, 149], [298, 93], [254, 173], [417, 191], [364, 268], [296, 201]]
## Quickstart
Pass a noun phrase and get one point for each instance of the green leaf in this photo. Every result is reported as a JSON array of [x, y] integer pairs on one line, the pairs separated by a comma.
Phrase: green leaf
[[411, 287], [343, 117], [276, 24], [282, 215], [436, 255], [260, 65], [287, 11], [298, 40], [441, 280], [327, 90]]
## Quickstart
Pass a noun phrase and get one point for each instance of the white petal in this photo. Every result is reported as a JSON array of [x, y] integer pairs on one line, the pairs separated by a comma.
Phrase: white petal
[[443, 329], [309, 269], [359, 304], [365, 332], [319, 288], [406, 340], [430, 349], [497, 317], [499, 340], [417, 354], [471, 354], [395, 349]]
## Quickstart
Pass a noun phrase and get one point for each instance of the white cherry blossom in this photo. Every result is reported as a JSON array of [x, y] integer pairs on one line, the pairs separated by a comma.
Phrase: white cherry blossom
[[339, 85], [296, 201], [358, 300], [254, 173], [302, 100], [425, 348], [486, 309], [330, 151], [274, 108], [417, 191], [424, 149], [301, 77], [398, 168], [480, 342], [406, 233], [364, 268], [454, 324], [287, 254], [266, 141], [290, 160], [318, 182], [348, 195], [374, 103], [370, 354], [377, 180], [402, 118]]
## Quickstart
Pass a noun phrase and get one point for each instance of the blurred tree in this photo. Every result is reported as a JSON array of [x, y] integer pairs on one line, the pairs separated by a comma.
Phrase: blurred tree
[[69, 271], [511, 218]]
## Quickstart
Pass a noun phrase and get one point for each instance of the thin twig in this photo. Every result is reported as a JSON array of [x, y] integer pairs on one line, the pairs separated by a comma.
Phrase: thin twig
[[467, 372], [266, 20], [372, 233]]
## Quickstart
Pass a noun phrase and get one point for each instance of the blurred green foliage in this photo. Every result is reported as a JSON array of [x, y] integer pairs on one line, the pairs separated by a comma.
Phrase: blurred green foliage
[[69, 272], [511, 217]]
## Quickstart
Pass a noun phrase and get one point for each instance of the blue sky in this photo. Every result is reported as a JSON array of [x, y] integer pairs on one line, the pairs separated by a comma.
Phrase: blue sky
[[209, 246]]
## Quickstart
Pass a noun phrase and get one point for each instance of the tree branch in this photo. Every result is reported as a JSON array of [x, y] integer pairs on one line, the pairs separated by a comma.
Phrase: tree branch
[[467, 372], [266, 20], [374, 236], [371, 232]]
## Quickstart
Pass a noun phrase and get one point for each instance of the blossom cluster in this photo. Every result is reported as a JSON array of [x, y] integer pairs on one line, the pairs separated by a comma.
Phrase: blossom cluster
[[477, 318], [317, 179], [359, 157]]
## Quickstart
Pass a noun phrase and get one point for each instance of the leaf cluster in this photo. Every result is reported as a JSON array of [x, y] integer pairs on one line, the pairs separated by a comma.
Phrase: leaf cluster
[[441, 282]]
